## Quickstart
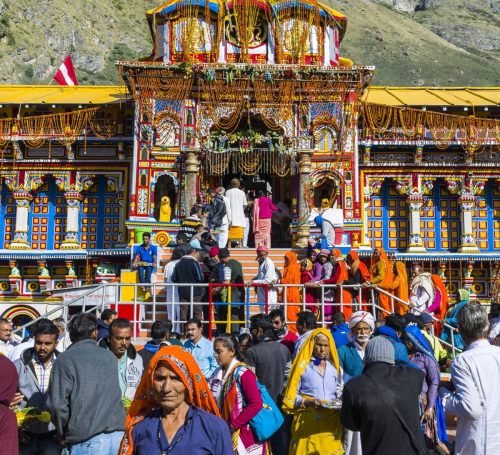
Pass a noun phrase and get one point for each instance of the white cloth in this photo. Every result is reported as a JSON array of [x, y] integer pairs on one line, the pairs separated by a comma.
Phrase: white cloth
[[246, 231], [173, 308], [362, 316], [223, 235], [495, 328], [266, 275], [421, 293], [228, 216], [475, 374], [238, 202], [64, 342], [9, 345]]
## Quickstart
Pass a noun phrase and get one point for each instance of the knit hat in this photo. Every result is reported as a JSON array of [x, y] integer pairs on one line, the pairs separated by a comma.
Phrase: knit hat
[[324, 252], [379, 349]]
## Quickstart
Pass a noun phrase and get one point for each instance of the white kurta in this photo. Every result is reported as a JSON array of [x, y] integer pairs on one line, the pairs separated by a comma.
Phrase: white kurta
[[476, 400], [173, 308], [266, 275], [238, 201]]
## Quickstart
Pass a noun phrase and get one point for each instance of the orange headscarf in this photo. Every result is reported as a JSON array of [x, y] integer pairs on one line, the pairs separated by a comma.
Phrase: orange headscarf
[[388, 269], [344, 274], [186, 367]]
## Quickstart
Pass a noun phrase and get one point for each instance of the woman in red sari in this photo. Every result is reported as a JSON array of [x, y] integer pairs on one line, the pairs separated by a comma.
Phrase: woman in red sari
[[234, 387]]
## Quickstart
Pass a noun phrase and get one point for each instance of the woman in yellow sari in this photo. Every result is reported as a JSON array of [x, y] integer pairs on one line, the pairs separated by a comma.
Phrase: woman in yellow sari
[[311, 396]]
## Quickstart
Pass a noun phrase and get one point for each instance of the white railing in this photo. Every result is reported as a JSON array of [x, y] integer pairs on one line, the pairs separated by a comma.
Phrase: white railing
[[143, 313]]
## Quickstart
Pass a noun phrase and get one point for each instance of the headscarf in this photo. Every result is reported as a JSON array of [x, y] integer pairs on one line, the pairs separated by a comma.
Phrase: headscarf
[[291, 272], [300, 364], [424, 280], [464, 295], [185, 366], [362, 316], [388, 269], [418, 339], [308, 264], [403, 281], [318, 221], [344, 274]]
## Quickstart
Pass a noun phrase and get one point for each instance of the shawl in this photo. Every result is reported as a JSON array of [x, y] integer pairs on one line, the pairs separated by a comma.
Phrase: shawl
[[344, 274], [424, 280], [357, 264], [300, 364], [291, 275], [402, 291], [388, 270], [185, 366]]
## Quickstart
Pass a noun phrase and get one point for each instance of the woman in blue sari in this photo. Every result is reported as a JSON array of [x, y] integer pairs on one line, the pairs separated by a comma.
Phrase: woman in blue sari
[[432, 411], [463, 298]]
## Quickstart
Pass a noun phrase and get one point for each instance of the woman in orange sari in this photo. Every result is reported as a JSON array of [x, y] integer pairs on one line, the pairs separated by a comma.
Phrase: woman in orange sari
[[173, 410], [381, 276], [291, 275], [400, 287]]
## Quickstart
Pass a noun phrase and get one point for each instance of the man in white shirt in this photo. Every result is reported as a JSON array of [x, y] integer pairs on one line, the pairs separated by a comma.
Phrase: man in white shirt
[[421, 290], [238, 202], [7, 339], [265, 275], [473, 394]]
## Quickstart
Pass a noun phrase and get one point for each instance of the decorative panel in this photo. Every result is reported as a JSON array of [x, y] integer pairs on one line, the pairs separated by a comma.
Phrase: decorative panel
[[7, 217]]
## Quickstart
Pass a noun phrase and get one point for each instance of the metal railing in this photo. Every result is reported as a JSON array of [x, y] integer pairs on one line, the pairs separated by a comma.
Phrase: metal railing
[[164, 302]]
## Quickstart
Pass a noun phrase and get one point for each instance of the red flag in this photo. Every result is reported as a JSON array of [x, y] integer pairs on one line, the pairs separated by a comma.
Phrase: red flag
[[66, 73]]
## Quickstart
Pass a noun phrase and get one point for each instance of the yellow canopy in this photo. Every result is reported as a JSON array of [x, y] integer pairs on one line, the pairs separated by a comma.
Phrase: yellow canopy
[[433, 96], [57, 94]]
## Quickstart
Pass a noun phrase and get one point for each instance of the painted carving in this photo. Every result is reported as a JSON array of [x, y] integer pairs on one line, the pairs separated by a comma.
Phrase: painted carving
[[165, 210]]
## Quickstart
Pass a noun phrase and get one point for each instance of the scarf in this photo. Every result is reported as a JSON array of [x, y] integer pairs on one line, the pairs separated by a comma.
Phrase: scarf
[[185, 366], [388, 332], [424, 280], [302, 360]]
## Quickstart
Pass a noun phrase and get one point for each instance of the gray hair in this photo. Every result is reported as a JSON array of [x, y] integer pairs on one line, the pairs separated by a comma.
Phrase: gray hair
[[59, 322], [473, 321]]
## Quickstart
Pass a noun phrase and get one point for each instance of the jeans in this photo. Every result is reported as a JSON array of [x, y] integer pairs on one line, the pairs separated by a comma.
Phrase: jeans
[[101, 444], [145, 273]]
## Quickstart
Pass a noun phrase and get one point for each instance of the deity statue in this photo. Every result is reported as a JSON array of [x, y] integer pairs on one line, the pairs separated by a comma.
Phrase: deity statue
[[14, 270], [165, 210]]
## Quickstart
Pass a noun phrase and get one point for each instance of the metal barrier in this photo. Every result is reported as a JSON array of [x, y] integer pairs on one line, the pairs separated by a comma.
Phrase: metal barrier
[[143, 313]]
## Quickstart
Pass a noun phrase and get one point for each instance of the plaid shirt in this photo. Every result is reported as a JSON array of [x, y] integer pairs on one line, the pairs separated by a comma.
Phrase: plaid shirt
[[42, 372]]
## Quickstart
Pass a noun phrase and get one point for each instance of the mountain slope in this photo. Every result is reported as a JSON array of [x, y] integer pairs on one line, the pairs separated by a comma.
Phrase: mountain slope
[[447, 42]]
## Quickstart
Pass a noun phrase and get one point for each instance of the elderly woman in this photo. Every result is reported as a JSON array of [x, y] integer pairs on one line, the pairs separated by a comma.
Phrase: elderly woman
[[173, 411], [234, 387], [311, 396], [431, 408]]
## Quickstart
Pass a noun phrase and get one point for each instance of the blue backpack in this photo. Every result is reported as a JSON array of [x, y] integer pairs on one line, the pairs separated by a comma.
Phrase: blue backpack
[[269, 419]]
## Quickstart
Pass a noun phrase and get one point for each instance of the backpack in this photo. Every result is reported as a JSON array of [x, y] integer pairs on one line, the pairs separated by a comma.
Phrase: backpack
[[269, 419]]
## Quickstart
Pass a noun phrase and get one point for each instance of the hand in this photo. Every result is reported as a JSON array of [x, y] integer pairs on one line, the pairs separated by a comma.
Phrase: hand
[[366, 284], [18, 397], [311, 403], [133, 266], [428, 414]]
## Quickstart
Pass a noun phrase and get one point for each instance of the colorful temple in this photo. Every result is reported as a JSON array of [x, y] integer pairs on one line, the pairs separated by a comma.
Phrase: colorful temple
[[255, 90]]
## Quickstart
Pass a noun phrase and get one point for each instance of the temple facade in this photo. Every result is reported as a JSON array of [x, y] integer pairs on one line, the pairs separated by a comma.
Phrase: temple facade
[[255, 90]]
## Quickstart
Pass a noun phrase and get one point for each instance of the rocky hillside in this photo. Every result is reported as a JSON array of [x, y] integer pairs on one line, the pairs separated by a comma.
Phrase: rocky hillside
[[411, 42]]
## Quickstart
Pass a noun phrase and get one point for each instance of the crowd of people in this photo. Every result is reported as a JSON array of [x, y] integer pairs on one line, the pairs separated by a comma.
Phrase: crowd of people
[[359, 386]]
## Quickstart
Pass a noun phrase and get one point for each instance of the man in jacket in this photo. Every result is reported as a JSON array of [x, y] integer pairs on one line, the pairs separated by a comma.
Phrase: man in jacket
[[370, 402], [34, 367], [271, 361], [188, 271], [473, 394], [160, 336], [130, 366], [82, 379], [107, 317]]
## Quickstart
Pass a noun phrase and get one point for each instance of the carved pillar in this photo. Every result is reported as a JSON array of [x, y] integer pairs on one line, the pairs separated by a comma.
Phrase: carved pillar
[[468, 244], [192, 169], [419, 152], [71, 239], [23, 200], [303, 230], [415, 243], [469, 279]]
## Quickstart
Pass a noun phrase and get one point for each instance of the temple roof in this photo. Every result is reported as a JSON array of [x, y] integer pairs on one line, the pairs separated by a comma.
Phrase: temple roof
[[433, 96]]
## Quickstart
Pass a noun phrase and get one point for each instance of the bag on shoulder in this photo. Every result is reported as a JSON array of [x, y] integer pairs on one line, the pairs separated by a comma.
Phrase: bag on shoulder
[[269, 419]]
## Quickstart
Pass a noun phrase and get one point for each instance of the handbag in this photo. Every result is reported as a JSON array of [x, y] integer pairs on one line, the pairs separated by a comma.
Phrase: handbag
[[420, 449], [269, 419]]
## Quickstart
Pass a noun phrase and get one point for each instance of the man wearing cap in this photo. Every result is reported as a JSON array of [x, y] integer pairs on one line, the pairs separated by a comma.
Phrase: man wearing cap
[[375, 404], [265, 275], [425, 323], [228, 271]]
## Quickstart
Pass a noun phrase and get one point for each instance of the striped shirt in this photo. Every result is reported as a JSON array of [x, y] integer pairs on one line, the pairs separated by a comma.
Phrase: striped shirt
[[42, 372]]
